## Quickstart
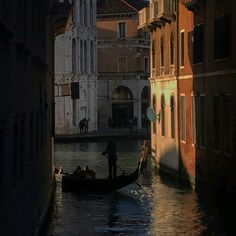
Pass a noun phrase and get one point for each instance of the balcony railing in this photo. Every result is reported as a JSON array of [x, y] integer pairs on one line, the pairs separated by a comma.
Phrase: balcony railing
[[192, 4], [157, 13], [166, 10], [154, 10]]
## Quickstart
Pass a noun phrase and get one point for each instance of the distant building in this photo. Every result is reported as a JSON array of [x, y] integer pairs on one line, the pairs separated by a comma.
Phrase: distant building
[[123, 64], [27, 114], [201, 94], [76, 71]]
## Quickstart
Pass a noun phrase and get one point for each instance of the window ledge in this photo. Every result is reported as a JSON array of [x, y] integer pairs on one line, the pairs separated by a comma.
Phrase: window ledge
[[228, 154], [221, 59], [217, 152], [198, 64]]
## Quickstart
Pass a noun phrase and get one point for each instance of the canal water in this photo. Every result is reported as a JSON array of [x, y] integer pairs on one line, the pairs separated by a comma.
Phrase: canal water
[[155, 206]]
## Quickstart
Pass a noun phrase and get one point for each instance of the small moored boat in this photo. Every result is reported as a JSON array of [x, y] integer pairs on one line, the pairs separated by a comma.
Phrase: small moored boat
[[71, 182]]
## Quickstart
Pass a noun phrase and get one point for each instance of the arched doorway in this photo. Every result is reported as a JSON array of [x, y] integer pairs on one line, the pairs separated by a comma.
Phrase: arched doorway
[[122, 106], [145, 103]]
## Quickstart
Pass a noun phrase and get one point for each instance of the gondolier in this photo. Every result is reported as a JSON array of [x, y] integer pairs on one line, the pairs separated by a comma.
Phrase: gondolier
[[112, 158]]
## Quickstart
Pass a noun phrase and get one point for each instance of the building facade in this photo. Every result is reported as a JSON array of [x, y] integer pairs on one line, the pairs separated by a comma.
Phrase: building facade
[[123, 64], [160, 19], [205, 98], [211, 105], [76, 71], [26, 117]]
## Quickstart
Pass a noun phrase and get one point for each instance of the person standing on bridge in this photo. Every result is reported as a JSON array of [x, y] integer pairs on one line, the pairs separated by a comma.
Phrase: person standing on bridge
[[112, 158]]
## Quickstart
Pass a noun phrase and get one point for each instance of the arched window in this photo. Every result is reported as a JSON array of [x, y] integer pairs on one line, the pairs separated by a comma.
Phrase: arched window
[[85, 57], [91, 57], [163, 130], [91, 13], [73, 56], [172, 117], [162, 51], [85, 13], [81, 13], [145, 93], [81, 57], [122, 93], [154, 106]]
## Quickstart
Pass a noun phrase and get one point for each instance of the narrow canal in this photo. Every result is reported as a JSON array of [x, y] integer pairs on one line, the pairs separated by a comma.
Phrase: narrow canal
[[159, 207]]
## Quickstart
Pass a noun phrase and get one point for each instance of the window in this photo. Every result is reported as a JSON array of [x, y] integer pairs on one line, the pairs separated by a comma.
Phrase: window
[[74, 90], [81, 57], [146, 65], [227, 124], [154, 105], [122, 30], [73, 56], [91, 14], [85, 13], [22, 144], [202, 121], [194, 131], [172, 52], [85, 57], [74, 121], [172, 117], [153, 56], [162, 51], [91, 57], [198, 44], [182, 48], [15, 152], [122, 64], [65, 90], [222, 37], [74, 14], [183, 117], [216, 122], [81, 13], [37, 134], [31, 148], [1, 160], [163, 128]]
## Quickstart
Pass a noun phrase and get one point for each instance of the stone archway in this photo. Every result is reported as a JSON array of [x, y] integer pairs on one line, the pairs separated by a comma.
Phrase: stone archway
[[122, 106]]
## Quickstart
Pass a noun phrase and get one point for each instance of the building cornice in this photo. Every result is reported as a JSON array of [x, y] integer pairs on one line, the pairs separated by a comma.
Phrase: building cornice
[[208, 74], [115, 15]]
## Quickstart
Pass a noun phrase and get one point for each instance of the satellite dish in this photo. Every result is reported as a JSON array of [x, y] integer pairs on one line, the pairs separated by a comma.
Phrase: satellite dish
[[151, 114]]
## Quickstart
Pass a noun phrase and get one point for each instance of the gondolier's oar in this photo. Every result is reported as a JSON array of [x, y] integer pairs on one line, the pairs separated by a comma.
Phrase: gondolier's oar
[[123, 171]]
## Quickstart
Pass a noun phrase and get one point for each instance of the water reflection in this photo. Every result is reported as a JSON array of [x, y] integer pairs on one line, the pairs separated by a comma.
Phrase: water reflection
[[159, 207]]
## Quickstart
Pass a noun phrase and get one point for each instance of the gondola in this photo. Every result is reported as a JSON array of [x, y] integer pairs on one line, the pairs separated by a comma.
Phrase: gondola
[[73, 183]]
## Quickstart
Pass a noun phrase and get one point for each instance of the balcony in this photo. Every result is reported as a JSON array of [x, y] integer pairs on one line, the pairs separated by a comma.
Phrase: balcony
[[143, 18], [192, 5], [166, 10], [62, 12], [154, 20]]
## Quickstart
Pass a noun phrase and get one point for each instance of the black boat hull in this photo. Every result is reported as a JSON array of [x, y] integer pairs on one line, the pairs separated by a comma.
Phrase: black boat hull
[[73, 183]]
